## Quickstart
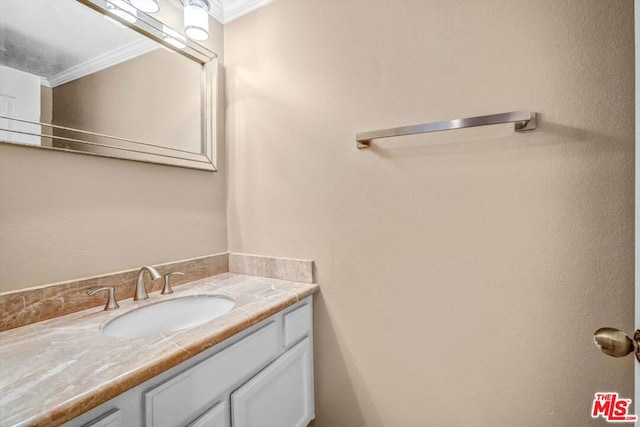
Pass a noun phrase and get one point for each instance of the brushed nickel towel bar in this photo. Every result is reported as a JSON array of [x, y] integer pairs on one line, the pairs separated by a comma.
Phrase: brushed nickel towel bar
[[524, 120]]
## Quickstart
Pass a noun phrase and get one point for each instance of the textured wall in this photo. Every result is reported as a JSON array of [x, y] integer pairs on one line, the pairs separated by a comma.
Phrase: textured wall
[[462, 274], [94, 102], [66, 216]]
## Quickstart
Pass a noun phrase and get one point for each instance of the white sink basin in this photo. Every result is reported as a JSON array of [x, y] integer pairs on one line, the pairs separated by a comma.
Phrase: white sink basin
[[168, 316]]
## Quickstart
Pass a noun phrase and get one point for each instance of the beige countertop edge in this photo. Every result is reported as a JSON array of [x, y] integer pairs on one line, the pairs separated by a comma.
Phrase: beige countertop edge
[[247, 315]]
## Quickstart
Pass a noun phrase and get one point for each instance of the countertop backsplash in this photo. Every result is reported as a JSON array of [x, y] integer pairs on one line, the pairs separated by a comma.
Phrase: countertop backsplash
[[26, 306]]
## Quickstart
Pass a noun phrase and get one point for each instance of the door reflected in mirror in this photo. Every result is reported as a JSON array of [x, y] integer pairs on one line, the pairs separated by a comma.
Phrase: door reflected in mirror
[[129, 88]]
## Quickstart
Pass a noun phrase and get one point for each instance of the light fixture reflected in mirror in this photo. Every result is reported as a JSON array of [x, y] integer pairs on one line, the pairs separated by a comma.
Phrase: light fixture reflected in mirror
[[196, 19], [173, 37], [121, 9], [147, 6], [177, 129]]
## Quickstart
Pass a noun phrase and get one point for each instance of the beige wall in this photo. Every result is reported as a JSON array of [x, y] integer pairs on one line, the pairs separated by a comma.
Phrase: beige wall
[[462, 274], [162, 108], [66, 216]]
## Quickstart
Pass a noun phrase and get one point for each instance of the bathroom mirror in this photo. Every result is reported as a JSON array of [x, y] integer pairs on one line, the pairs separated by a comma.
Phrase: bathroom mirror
[[102, 78]]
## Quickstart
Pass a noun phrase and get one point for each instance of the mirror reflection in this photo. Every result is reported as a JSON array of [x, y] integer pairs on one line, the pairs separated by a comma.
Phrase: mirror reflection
[[75, 79]]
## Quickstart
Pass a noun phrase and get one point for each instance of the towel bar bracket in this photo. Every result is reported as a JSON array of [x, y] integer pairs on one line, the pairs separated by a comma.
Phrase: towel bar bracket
[[363, 144], [526, 124]]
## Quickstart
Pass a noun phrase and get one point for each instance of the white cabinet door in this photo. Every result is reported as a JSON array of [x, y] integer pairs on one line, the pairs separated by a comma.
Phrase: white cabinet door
[[218, 416], [279, 396]]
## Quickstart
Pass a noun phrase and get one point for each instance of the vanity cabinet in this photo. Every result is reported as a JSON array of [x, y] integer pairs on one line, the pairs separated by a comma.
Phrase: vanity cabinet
[[280, 395], [183, 397], [262, 377]]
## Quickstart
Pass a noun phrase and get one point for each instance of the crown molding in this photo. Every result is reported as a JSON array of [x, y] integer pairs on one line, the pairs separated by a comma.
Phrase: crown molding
[[106, 60], [216, 10], [225, 11], [235, 9]]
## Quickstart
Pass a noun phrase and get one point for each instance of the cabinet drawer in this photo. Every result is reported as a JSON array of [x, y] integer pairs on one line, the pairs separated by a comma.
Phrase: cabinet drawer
[[298, 324], [179, 400]]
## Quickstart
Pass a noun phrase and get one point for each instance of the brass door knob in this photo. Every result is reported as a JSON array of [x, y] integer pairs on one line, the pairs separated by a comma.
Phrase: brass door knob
[[616, 343]]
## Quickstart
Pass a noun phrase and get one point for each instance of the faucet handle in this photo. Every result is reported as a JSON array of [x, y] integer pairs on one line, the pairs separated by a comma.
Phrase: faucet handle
[[112, 304], [167, 287]]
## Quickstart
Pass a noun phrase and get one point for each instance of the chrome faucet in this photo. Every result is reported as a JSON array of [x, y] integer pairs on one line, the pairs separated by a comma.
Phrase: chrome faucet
[[141, 291]]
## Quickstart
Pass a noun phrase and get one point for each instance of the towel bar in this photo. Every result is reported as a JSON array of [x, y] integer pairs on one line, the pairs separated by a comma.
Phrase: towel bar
[[524, 120]]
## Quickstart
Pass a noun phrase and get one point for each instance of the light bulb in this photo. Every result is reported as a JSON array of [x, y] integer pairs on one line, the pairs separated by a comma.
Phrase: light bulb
[[121, 9], [147, 6], [196, 19]]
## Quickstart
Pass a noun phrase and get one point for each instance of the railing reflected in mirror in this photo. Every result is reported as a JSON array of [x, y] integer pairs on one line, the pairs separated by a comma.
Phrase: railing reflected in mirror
[[72, 80]]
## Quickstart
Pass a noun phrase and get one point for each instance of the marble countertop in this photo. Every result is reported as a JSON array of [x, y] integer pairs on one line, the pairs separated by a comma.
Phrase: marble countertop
[[55, 370]]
